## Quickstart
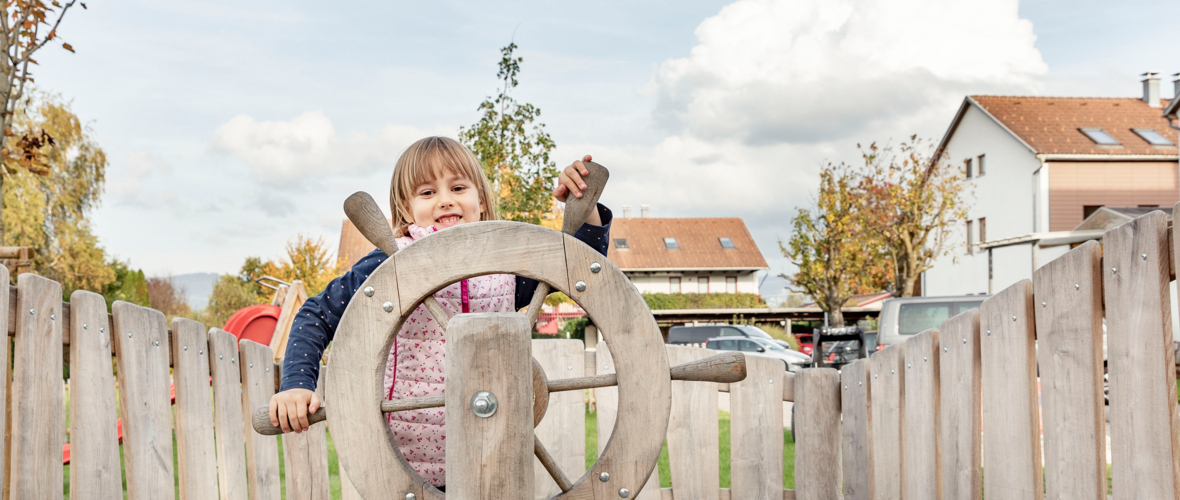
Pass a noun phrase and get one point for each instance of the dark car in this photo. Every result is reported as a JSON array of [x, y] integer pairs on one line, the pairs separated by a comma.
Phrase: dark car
[[701, 334]]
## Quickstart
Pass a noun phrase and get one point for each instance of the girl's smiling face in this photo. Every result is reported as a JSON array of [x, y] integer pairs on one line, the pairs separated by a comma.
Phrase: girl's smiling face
[[447, 200]]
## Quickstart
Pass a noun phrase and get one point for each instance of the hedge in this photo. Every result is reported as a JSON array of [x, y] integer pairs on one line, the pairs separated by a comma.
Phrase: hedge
[[703, 300]]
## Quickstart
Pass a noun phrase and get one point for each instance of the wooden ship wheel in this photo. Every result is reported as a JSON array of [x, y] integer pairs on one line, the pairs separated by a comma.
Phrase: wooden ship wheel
[[494, 389]]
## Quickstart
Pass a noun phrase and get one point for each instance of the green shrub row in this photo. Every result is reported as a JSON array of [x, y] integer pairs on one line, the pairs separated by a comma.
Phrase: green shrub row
[[703, 300]]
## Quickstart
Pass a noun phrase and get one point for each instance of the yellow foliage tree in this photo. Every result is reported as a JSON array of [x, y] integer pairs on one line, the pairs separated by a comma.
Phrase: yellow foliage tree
[[308, 260]]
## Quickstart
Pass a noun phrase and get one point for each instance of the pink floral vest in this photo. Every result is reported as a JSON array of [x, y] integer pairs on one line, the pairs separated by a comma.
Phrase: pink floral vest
[[417, 360]]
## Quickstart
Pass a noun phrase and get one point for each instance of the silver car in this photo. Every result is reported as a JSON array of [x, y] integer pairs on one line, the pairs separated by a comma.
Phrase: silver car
[[794, 360]]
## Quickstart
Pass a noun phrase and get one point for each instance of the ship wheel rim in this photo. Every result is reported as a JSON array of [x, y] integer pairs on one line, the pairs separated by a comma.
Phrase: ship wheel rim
[[354, 383]]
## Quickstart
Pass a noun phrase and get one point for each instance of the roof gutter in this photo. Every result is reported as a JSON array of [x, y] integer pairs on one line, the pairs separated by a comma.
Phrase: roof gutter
[[1046, 239], [1083, 157]]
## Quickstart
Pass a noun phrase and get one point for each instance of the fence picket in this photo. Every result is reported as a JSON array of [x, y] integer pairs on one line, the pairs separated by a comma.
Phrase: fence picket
[[608, 407], [141, 352], [817, 475], [856, 434], [94, 441], [1141, 365], [306, 457], [227, 414], [196, 455], [563, 430], [1068, 292], [958, 405], [37, 411], [922, 476], [887, 406], [693, 446], [756, 416], [262, 452], [1012, 443]]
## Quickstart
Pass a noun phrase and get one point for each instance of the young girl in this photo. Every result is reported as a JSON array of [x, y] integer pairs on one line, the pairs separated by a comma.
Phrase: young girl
[[437, 183]]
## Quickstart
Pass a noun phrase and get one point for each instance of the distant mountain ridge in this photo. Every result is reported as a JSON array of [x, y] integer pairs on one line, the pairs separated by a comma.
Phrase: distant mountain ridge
[[197, 287]]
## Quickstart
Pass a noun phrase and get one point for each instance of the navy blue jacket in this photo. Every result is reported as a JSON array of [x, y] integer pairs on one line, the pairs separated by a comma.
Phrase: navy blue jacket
[[315, 324]]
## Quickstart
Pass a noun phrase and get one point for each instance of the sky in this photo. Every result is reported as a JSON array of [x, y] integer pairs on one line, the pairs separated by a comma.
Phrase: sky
[[231, 127]]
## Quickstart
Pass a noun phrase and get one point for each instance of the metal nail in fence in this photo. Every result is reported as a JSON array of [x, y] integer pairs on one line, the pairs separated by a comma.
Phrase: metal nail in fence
[[85, 326], [604, 477], [624, 492], [1144, 256], [52, 317], [1044, 304], [989, 333], [1014, 318], [387, 307], [1077, 286], [32, 311], [580, 286], [411, 496], [368, 291], [595, 267], [1114, 270]]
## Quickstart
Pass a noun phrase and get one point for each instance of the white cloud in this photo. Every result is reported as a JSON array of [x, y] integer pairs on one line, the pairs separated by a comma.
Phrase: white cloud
[[127, 181], [308, 146], [768, 71]]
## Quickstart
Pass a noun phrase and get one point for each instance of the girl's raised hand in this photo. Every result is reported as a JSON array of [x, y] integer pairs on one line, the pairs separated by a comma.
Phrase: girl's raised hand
[[570, 180]]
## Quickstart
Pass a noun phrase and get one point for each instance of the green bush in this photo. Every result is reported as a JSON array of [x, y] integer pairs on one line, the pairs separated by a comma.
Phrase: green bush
[[703, 300]]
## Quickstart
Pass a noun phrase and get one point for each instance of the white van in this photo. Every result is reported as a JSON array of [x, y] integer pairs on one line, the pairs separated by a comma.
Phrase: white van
[[903, 318]]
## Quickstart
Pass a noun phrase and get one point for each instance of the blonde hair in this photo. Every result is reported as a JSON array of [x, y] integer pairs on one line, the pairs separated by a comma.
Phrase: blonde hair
[[422, 162]]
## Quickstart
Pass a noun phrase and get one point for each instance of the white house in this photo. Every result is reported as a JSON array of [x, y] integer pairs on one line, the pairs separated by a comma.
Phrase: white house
[[699, 255], [1039, 166]]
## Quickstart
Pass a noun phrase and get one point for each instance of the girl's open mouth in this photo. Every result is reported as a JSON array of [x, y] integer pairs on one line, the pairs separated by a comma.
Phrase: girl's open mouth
[[448, 219]]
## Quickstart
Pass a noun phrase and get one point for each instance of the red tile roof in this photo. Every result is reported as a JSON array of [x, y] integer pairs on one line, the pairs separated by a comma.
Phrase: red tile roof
[[698, 240], [1050, 125], [353, 245]]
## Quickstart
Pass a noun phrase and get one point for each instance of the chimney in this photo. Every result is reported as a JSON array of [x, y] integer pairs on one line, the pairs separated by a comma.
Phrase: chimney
[[643, 210], [626, 211], [1176, 86], [1151, 89]]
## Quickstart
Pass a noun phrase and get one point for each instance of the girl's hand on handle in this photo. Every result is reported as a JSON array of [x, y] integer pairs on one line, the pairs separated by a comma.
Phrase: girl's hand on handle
[[570, 180], [289, 409]]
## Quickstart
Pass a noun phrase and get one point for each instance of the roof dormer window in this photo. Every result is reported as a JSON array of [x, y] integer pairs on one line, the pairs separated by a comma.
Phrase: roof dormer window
[[670, 244], [726, 243], [1152, 137], [621, 243], [1100, 137]]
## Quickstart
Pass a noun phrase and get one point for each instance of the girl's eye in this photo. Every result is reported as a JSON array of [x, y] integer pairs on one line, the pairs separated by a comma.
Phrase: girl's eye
[[459, 188], [427, 192]]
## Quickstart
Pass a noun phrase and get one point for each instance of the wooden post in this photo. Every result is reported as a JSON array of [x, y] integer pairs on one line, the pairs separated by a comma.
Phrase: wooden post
[[489, 457], [857, 434], [817, 468]]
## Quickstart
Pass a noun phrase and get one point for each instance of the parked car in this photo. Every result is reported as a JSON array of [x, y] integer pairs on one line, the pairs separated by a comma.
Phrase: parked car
[[701, 334], [903, 318], [794, 360]]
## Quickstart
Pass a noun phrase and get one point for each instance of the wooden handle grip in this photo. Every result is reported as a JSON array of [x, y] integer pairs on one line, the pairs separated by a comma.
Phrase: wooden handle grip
[[368, 219], [725, 368], [261, 417], [577, 210]]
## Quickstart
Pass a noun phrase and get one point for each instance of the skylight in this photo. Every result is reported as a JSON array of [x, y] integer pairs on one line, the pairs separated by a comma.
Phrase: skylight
[[621, 243], [1099, 137], [726, 243], [1152, 137], [670, 244]]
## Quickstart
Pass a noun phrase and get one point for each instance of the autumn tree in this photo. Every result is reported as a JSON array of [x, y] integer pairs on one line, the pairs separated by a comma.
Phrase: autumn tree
[[25, 27], [308, 260], [913, 201], [50, 210], [836, 255], [513, 149], [165, 296]]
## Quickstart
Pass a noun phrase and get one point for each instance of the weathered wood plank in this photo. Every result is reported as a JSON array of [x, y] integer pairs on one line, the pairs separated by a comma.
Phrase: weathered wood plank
[[959, 412], [857, 436], [292, 299], [1143, 412], [262, 452], [489, 457], [608, 409], [817, 464], [37, 404], [141, 353], [94, 440], [306, 457], [196, 455], [693, 442], [888, 412], [227, 414], [1068, 309], [563, 430], [756, 414], [922, 476], [1012, 443]]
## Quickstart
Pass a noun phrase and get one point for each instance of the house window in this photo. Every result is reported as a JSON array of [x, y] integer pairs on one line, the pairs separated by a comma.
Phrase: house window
[[983, 229], [674, 284], [726, 243], [1100, 137], [731, 284], [967, 163], [670, 244], [703, 284], [621, 243], [1088, 210], [980, 169], [1152, 137], [970, 236]]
